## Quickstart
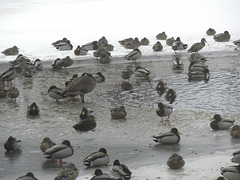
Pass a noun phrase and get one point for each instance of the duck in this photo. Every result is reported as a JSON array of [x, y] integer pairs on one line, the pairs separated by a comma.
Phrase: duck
[[222, 37], [33, 109], [19, 59], [134, 55], [80, 51], [177, 64], [60, 151], [199, 75], [170, 95], [82, 85], [231, 172], [99, 77], [125, 41], [142, 72], [96, 159], [178, 45], [144, 41], [12, 51], [170, 41], [63, 46], [87, 121], [237, 42], [171, 137], [157, 46], [46, 144], [164, 110], [103, 41], [197, 58], [56, 64], [12, 144], [197, 67], [8, 75], [69, 172], [55, 93], [220, 123], [197, 46], [161, 87], [161, 36], [91, 46], [126, 73], [235, 131], [118, 113], [99, 52], [236, 157], [28, 176], [66, 62], [121, 170], [210, 32], [99, 175], [12, 92], [175, 161], [63, 40], [105, 58], [132, 44], [126, 86], [38, 64], [27, 72]]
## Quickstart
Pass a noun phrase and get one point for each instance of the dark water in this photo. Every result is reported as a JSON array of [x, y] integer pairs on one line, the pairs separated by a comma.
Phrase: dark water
[[129, 140]]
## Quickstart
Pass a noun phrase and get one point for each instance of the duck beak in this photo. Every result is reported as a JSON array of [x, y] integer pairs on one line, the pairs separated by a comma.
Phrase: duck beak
[[108, 154], [34, 108], [211, 119], [179, 132]]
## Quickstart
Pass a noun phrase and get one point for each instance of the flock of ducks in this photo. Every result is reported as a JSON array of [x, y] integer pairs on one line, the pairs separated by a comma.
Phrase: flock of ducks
[[79, 85]]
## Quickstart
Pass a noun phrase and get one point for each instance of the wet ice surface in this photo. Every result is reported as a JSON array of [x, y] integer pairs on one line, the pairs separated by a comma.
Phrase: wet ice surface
[[130, 140]]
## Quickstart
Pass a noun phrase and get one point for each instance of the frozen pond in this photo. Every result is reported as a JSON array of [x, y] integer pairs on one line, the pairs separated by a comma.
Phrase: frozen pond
[[129, 140]]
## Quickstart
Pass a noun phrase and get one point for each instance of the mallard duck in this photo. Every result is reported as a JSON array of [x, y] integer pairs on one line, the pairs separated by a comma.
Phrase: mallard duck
[[46, 144], [103, 41], [87, 121], [220, 123], [161, 36], [175, 161], [237, 42], [126, 86], [126, 73], [171, 137], [161, 87], [100, 52], [28, 176], [197, 67], [197, 58], [199, 75], [210, 32], [19, 59], [144, 41], [231, 172], [164, 110], [105, 58], [132, 44], [27, 72], [12, 93], [125, 41], [222, 37], [141, 72], [134, 55], [236, 157], [59, 151], [100, 158], [55, 93], [8, 75], [33, 109], [170, 41], [157, 46], [56, 64], [170, 95], [118, 113], [91, 46], [38, 64], [63, 40], [12, 144], [177, 64], [65, 62], [11, 51], [81, 86], [63, 46], [121, 170], [235, 131], [70, 172], [197, 46], [178, 45], [99, 175], [99, 77], [80, 51]]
